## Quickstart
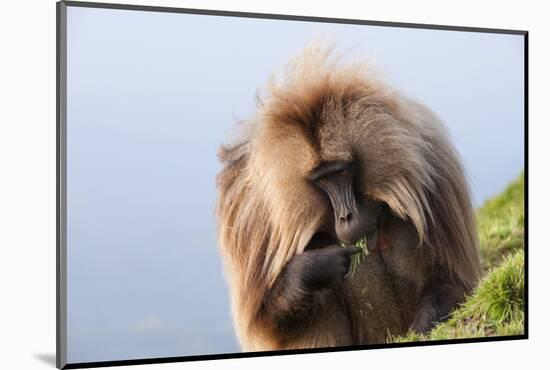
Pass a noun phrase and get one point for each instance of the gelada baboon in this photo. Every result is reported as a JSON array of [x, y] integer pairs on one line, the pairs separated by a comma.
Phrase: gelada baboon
[[333, 154]]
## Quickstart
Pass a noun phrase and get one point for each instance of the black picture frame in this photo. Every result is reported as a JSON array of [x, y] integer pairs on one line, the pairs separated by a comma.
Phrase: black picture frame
[[61, 178]]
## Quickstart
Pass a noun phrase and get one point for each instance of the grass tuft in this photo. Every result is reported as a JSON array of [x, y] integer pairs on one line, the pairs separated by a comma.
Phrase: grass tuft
[[357, 258], [500, 224], [496, 307]]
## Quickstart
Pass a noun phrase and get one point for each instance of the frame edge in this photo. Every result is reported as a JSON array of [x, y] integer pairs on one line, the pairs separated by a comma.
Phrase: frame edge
[[288, 17], [61, 170]]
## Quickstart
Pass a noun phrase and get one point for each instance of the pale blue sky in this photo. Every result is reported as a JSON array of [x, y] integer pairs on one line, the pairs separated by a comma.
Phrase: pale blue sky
[[151, 96]]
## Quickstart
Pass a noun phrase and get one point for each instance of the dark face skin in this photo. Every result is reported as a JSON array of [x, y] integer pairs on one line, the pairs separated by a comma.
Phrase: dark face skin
[[354, 216]]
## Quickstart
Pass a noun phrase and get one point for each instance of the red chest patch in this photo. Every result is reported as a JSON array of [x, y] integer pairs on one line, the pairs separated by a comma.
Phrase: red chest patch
[[383, 243]]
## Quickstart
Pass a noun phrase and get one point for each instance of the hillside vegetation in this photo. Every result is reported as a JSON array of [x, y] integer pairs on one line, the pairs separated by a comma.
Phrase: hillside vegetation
[[496, 307]]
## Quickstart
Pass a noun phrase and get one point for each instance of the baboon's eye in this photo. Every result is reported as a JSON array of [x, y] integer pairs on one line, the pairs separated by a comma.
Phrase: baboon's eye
[[327, 169], [340, 171]]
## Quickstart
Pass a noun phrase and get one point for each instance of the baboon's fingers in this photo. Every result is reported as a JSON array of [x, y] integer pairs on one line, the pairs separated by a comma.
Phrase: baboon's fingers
[[348, 251]]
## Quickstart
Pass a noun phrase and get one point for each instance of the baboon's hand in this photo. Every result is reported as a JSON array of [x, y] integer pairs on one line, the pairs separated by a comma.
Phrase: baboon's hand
[[322, 268]]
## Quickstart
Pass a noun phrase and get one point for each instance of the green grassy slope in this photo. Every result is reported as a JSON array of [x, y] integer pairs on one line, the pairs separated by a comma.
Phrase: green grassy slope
[[495, 307], [500, 224]]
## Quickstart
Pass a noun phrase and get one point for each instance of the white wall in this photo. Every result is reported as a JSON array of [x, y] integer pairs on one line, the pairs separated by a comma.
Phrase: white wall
[[27, 189]]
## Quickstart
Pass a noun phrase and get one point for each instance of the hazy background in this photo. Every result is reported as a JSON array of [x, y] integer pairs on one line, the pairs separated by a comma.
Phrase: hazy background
[[150, 98]]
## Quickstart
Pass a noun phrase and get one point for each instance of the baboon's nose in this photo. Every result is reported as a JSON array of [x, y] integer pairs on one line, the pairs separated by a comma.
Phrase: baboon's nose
[[345, 217], [349, 227]]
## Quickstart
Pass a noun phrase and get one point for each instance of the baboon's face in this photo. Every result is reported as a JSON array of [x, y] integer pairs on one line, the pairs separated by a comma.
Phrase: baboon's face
[[330, 177], [355, 215]]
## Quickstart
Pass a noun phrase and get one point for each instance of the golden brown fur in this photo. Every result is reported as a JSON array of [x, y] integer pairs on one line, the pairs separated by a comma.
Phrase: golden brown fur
[[319, 109]]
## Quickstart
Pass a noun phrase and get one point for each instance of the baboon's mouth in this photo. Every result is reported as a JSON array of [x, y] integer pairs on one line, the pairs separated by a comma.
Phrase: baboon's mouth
[[322, 240], [370, 239], [375, 239]]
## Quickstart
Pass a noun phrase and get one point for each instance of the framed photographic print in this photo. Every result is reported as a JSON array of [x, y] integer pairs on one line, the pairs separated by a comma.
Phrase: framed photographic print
[[236, 184]]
